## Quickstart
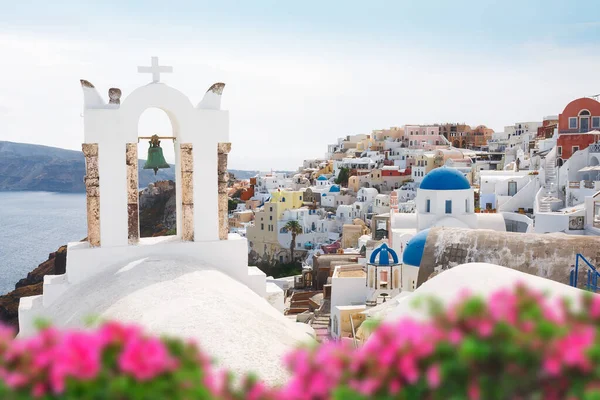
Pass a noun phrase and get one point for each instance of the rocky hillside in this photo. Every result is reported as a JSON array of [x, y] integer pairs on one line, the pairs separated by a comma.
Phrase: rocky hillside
[[157, 209], [50, 169], [31, 286]]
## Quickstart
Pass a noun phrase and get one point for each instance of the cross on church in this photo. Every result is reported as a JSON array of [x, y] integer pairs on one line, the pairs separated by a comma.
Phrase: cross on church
[[155, 70]]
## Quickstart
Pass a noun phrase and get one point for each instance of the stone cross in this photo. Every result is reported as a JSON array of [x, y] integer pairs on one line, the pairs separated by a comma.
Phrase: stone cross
[[155, 70]]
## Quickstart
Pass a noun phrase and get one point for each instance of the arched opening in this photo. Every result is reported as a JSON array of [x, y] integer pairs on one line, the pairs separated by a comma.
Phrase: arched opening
[[594, 161], [584, 121], [559, 162], [157, 191], [455, 143]]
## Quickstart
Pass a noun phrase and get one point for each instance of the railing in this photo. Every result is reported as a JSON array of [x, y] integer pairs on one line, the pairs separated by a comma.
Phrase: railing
[[588, 184], [592, 274], [594, 148], [574, 185]]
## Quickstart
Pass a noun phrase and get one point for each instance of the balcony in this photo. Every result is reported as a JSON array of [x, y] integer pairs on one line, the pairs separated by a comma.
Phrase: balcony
[[574, 185], [594, 148]]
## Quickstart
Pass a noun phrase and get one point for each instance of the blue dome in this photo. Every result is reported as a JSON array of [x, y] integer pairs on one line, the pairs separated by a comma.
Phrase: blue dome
[[321, 178], [384, 253], [414, 249], [334, 188], [444, 178]]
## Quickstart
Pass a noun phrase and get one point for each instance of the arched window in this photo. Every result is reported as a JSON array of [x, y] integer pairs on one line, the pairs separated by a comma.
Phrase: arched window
[[467, 206], [584, 121], [428, 206]]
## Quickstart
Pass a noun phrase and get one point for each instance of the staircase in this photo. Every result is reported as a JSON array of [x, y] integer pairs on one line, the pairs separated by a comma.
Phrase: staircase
[[550, 191]]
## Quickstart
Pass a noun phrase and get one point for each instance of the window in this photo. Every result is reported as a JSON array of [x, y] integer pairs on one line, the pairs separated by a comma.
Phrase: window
[[271, 208], [559, 150], [575, 148], [299, 244], [572, 123], [427, 206], [262, 227], [467, 206], [448, 206], [270, 218], [584, 112], [595, 122]]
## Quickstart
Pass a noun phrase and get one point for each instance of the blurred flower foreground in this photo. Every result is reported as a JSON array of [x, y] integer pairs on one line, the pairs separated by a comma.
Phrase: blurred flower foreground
[[516, 345]]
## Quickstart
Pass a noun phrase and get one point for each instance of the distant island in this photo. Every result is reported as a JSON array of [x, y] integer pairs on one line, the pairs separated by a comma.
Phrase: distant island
[[31, 167]]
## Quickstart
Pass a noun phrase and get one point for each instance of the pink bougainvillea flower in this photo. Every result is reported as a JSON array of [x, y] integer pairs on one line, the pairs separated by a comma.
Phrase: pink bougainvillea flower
[[145, 358], [433, 376]]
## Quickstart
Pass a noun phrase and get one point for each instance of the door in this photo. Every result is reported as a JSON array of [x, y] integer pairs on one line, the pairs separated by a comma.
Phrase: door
[[512, 188], [584, 124]]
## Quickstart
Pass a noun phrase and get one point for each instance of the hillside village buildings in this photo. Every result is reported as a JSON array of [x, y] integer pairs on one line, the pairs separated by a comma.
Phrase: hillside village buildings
[[411, 183]]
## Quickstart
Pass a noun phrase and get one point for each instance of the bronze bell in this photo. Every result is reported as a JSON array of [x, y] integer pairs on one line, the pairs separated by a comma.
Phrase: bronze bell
[[155, 159]]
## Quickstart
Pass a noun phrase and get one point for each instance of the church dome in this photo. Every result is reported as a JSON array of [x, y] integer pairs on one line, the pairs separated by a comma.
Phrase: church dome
[[381, 256], [334, 188], [414, 249], [321, 178], [444, 178]]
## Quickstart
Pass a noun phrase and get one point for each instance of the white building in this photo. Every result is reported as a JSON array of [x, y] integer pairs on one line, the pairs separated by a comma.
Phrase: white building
[[268, 182], [381, 204], [361, 164], [444, 198]]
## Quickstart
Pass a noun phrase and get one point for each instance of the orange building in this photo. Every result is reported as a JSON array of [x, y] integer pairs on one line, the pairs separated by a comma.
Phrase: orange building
[[580, 116], [578, 127]]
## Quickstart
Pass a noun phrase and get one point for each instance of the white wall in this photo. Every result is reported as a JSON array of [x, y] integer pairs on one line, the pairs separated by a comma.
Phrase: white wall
[[347, 291]]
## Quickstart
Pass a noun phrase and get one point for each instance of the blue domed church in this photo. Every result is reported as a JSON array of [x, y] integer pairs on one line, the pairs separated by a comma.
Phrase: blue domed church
[[444, 198]]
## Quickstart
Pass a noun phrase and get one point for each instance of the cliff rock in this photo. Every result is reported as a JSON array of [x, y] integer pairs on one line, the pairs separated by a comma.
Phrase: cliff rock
[[31, 286]]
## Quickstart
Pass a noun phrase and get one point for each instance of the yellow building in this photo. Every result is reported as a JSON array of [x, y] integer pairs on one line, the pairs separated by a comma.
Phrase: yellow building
[[263, 235], [327, 169], [286, 200]]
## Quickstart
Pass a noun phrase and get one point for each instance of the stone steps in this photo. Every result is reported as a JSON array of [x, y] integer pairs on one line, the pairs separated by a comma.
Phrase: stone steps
[[54, 287]]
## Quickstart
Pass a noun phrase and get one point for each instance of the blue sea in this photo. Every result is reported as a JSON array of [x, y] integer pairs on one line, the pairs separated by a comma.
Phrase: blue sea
[[34, 224]]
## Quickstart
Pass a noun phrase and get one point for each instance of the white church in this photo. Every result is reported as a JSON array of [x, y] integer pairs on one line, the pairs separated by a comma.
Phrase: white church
[[196, 284], [444, 198]]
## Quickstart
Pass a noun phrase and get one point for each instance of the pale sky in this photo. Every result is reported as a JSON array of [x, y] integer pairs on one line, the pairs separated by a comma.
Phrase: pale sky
[[298, 74]]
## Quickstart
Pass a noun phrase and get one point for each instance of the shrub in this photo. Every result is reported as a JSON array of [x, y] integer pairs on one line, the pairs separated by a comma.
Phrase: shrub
[[113, 362], [516, 345]]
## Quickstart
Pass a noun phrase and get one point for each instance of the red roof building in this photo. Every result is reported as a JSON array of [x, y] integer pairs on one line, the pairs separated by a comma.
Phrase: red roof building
[[580, 116], [578, 127]]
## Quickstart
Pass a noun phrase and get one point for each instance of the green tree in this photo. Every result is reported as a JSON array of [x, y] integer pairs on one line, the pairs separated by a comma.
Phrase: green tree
[[294, 228], [343, 176], [232, 204]]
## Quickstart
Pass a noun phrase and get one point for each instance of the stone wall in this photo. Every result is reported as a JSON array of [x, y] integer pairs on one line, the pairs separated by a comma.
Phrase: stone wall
[[223, 150], [187, 192], [131, 160], [549, 256], [92, 189]]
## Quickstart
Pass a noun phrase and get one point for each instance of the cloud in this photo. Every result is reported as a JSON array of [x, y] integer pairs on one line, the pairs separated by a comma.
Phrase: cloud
[[288, 99]]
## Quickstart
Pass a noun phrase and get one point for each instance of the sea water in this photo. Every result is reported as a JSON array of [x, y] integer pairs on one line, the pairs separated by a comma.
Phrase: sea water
[[34, 224]]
